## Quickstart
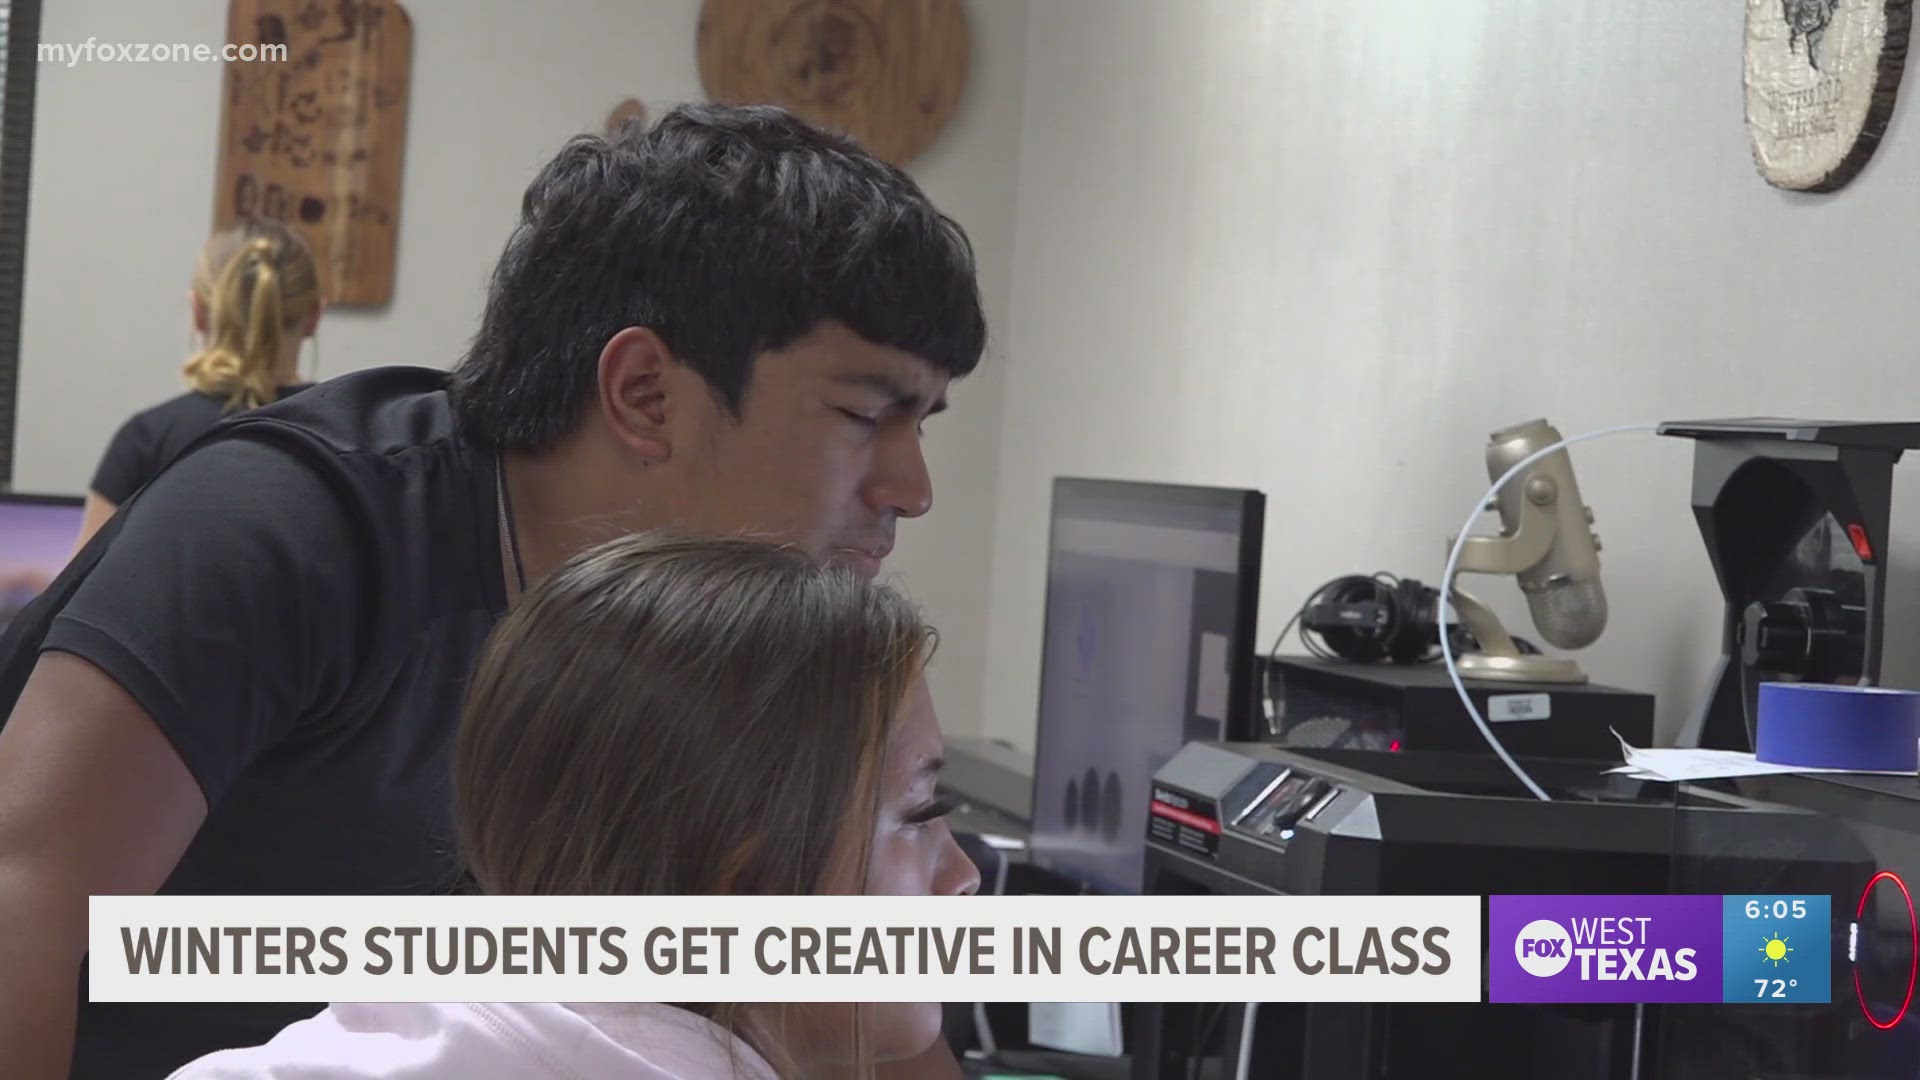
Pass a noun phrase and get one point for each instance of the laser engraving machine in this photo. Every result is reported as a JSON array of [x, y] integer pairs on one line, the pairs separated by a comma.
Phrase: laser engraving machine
[[1795, 518]]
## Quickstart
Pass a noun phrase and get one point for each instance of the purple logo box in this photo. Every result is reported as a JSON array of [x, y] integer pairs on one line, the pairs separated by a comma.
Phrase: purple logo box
[[1619, 949]]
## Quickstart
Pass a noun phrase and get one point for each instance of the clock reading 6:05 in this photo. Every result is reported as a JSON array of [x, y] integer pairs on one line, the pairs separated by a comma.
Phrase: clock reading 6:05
[[1778, 908]]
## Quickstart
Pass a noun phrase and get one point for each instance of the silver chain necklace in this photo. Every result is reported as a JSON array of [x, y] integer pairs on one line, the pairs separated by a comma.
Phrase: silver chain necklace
[[506, 525]]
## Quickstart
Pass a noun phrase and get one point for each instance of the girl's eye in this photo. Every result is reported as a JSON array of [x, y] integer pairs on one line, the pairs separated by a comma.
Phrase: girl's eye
[[932, 811]]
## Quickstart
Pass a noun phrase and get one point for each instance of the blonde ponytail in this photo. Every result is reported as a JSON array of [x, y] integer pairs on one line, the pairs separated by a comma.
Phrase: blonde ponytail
[[265, 286]]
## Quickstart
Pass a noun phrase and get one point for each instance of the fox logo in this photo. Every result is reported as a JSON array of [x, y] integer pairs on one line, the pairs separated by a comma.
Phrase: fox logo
[[1541, 947]]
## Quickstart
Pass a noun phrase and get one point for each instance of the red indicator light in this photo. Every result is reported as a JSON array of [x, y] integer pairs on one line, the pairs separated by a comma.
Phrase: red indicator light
[[1860, 545], [1394, 746]]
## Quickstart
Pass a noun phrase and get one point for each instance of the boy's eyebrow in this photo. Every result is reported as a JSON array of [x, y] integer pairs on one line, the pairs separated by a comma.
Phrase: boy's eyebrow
[[899, 392]]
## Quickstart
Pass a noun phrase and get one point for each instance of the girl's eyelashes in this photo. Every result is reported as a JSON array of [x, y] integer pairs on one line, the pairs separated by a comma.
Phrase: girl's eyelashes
[[931, 811]]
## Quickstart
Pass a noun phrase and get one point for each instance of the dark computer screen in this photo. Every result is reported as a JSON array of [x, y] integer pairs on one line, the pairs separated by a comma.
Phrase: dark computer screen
[[1151, 599], [37, 536]]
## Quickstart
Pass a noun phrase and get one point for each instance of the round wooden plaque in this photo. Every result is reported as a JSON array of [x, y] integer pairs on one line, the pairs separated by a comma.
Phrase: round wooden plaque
[[1821, 80], [887, 72]]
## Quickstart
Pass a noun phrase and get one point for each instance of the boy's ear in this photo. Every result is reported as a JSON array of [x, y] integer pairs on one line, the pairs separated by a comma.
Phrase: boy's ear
[[635, 398]]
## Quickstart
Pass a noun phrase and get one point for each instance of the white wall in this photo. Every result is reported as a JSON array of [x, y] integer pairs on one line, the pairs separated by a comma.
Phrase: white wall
[[943, 560], [122, 197], [122, 191], [1324, 247], [1319, 247]]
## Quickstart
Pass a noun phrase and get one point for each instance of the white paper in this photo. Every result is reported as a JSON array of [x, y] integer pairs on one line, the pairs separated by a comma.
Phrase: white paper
[[1683, 763]]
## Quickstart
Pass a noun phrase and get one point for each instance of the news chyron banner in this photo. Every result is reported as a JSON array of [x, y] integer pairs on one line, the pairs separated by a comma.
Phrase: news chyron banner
[[793, 949], [1749, 950]]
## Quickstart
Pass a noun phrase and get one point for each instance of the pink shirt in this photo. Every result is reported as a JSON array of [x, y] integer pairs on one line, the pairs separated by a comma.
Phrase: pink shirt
[[488, 1041]]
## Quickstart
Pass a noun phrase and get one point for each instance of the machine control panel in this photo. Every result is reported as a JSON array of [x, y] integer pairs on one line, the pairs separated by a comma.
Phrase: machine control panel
[[1273, 799]]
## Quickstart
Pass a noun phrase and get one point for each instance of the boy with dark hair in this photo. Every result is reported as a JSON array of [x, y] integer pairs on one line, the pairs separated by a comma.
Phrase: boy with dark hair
[[249, 682]]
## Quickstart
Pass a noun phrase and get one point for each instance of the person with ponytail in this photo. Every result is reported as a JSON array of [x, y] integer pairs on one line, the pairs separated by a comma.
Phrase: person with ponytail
[[255, 299]]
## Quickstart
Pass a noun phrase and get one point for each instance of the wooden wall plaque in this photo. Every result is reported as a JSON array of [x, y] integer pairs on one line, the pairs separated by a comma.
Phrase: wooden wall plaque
[[1821, 78], [316, 140], [887, 72]]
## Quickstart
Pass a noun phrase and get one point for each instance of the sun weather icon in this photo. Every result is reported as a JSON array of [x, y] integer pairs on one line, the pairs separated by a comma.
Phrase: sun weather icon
[[1776, 949]]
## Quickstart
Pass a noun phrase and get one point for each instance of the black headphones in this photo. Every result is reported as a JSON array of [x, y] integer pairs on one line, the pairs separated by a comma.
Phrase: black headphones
[[1370, 618]]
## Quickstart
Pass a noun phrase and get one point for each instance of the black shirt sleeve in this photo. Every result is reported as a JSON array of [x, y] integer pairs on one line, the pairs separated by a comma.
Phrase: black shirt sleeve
[[229, 604], [128, 462]]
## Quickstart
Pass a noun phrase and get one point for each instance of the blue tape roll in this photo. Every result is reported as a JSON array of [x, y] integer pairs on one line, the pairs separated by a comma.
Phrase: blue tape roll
[[1815, 725]]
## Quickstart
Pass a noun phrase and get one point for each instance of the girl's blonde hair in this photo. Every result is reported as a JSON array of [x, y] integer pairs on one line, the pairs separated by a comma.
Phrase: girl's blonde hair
[[258, 283]]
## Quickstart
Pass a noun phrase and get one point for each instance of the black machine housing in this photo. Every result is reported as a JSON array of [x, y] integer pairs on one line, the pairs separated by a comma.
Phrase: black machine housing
[[1331, 704], [1795, 518], [1861, 848], [1336, 822]]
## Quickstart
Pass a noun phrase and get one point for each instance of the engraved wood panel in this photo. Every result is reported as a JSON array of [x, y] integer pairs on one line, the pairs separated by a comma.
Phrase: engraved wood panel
[[887, 72], [316, 140], [1821, 78]]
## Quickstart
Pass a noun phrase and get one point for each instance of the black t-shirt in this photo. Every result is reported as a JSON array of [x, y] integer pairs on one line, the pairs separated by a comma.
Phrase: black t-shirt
[[296, 602], [152, 438]]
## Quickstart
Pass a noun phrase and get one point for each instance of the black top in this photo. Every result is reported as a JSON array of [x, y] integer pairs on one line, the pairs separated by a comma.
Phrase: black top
[[296, 602], [152, 438], [1870, 434]]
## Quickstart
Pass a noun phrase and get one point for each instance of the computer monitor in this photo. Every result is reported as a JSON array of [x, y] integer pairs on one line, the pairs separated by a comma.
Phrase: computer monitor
[[37, 537], [1151, 598]]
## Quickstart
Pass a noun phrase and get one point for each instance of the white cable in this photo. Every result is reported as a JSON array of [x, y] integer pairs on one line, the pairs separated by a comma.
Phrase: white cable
[[1639, 1018], [1246, 1042], [984, 1030], [1446, 589]]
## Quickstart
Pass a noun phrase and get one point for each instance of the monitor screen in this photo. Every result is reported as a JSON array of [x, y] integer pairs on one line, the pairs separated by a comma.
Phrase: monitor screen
[[1151, 599], [37, 537]]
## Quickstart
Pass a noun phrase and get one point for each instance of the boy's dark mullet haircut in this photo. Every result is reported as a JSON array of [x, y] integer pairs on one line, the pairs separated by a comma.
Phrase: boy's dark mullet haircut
[[729, 231]]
